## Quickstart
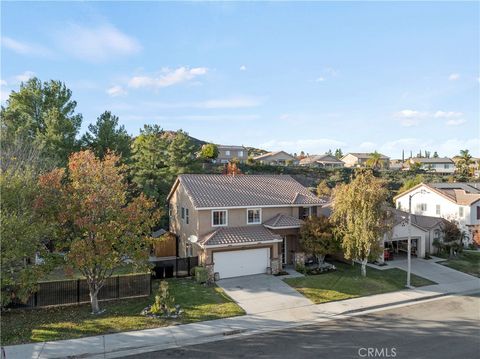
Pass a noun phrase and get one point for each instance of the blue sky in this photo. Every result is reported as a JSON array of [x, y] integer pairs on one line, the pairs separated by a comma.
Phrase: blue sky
[[281, 76]]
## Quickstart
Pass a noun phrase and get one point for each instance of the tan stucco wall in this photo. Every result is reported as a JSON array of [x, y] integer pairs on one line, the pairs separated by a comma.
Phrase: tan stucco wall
[[178, 226]]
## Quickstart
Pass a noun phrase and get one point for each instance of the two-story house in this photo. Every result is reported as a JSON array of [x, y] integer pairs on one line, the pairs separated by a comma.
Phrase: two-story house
[[458, 202], [442, 165], [360, 159], [227, 153], [240, 224]]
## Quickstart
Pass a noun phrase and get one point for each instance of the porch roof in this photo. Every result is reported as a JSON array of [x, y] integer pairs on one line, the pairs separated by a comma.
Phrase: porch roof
[[226, 236], [283, 221]]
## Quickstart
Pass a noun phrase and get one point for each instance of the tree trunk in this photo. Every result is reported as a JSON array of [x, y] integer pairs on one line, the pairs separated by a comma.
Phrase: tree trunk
[[364, 267], [94, 302]]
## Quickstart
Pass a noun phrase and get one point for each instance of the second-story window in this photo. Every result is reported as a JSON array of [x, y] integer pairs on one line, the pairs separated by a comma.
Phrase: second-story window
[[240, 154], [437, 209], [187, 216], [219, 218], [305, 212], [183, 213], [460, 211], [254, 216], [227, 153]]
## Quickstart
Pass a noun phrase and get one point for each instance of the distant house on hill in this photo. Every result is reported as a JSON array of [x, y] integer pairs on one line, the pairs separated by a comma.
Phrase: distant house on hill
[[322, 161], [357, 159], [279, 158], [435, 164], [226, 153]]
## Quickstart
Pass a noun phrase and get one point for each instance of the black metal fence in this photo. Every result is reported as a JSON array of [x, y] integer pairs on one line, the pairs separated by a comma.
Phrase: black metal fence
[[175, 267], [76, 291]]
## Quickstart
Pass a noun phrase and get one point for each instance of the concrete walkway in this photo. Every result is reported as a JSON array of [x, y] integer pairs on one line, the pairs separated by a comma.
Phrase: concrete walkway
[[136, 342], [262, 293]]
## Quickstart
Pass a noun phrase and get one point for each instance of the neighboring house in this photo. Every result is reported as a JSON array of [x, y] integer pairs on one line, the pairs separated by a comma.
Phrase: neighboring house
[[281, 158], [360, 159], [458, 202], [442, 165], [227, 153], [323, 161], [242, 224], [396, 165], [425, 231]]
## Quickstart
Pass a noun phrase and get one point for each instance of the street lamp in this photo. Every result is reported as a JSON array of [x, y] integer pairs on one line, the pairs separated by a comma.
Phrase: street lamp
[[409, 247]]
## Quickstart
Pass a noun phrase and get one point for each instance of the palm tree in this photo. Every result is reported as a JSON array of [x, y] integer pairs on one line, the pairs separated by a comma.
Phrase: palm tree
[[464, 162], [375, 161]]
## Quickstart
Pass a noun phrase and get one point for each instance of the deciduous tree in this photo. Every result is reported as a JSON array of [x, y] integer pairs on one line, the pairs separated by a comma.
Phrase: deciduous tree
[[317, 237], [100, 228], [361, 217], [209, 151]]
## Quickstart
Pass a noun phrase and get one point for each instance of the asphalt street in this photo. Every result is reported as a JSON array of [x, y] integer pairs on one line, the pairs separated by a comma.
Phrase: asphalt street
[[447, 328]]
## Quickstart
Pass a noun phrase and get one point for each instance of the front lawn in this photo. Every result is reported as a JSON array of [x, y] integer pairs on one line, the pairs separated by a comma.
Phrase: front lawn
[[346, 282], [466, 261], [35, 325]]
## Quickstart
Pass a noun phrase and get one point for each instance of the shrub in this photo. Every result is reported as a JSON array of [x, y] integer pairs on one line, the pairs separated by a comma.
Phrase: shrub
[[164, 302], [201, 274]]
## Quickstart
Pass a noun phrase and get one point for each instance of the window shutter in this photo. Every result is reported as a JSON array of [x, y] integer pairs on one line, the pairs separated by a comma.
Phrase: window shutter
[[314, 211]]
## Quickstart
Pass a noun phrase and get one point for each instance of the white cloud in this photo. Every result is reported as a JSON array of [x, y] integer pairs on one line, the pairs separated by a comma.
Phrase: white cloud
[[312, 146], [25, 76], [115, 91], [320, 79], [24, 48], [454, 76], [3, 83], [97, 43], [167, 77], [410, 114], [447, 114], [243, 68], [455, 122], [4, 95], [449, 147]]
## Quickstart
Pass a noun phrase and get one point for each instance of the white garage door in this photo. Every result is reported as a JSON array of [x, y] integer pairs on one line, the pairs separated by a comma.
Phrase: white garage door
[[244, 262]]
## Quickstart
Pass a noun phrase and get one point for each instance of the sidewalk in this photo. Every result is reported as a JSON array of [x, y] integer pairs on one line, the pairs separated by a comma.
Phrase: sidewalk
[[121, 344]]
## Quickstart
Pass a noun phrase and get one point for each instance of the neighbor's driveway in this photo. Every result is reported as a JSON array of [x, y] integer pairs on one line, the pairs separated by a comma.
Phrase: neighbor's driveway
[[262, 293], [434, 271]]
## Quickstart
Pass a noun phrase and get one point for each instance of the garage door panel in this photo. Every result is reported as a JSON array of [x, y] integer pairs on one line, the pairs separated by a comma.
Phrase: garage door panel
[[243, 262]]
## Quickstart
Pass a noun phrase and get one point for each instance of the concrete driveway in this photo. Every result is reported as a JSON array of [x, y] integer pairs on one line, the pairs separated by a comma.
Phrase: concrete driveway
[[262, 293], [433, 271]]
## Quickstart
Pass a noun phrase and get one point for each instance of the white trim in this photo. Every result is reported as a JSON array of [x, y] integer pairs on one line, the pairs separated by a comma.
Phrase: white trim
[[240, 244], [284, 227], [254, 209], [226, 217]]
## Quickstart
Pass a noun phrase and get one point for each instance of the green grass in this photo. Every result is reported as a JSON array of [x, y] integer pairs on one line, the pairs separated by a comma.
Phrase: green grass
[[35, 325], [466, 261], [346, 282]]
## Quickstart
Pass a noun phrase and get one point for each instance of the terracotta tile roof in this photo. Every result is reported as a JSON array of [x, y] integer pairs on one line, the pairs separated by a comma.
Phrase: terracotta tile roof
[[239, 235], [319, 158], [268, 154], [282, 221], [461, 193], [432, 160], [223, 191], [365, 155]]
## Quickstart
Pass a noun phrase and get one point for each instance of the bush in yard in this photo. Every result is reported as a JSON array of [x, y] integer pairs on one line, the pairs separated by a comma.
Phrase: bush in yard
[[201, 274], [317, 238], [164, 302]]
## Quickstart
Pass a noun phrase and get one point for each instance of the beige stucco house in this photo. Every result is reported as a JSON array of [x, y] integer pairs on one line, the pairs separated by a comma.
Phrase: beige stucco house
[[360, 159], [227, 153], [280, 158], [321, 161], [242, 224]]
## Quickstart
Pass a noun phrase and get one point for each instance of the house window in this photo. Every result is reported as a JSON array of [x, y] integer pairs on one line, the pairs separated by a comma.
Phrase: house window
[[305, 212], [189, 250], [187, 216], [227, 153], [254, 216], [240, 154], [183, 213], [219, 218], [437, 209], [447, 165], [422, 207], [478, 212], [460, 211]]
